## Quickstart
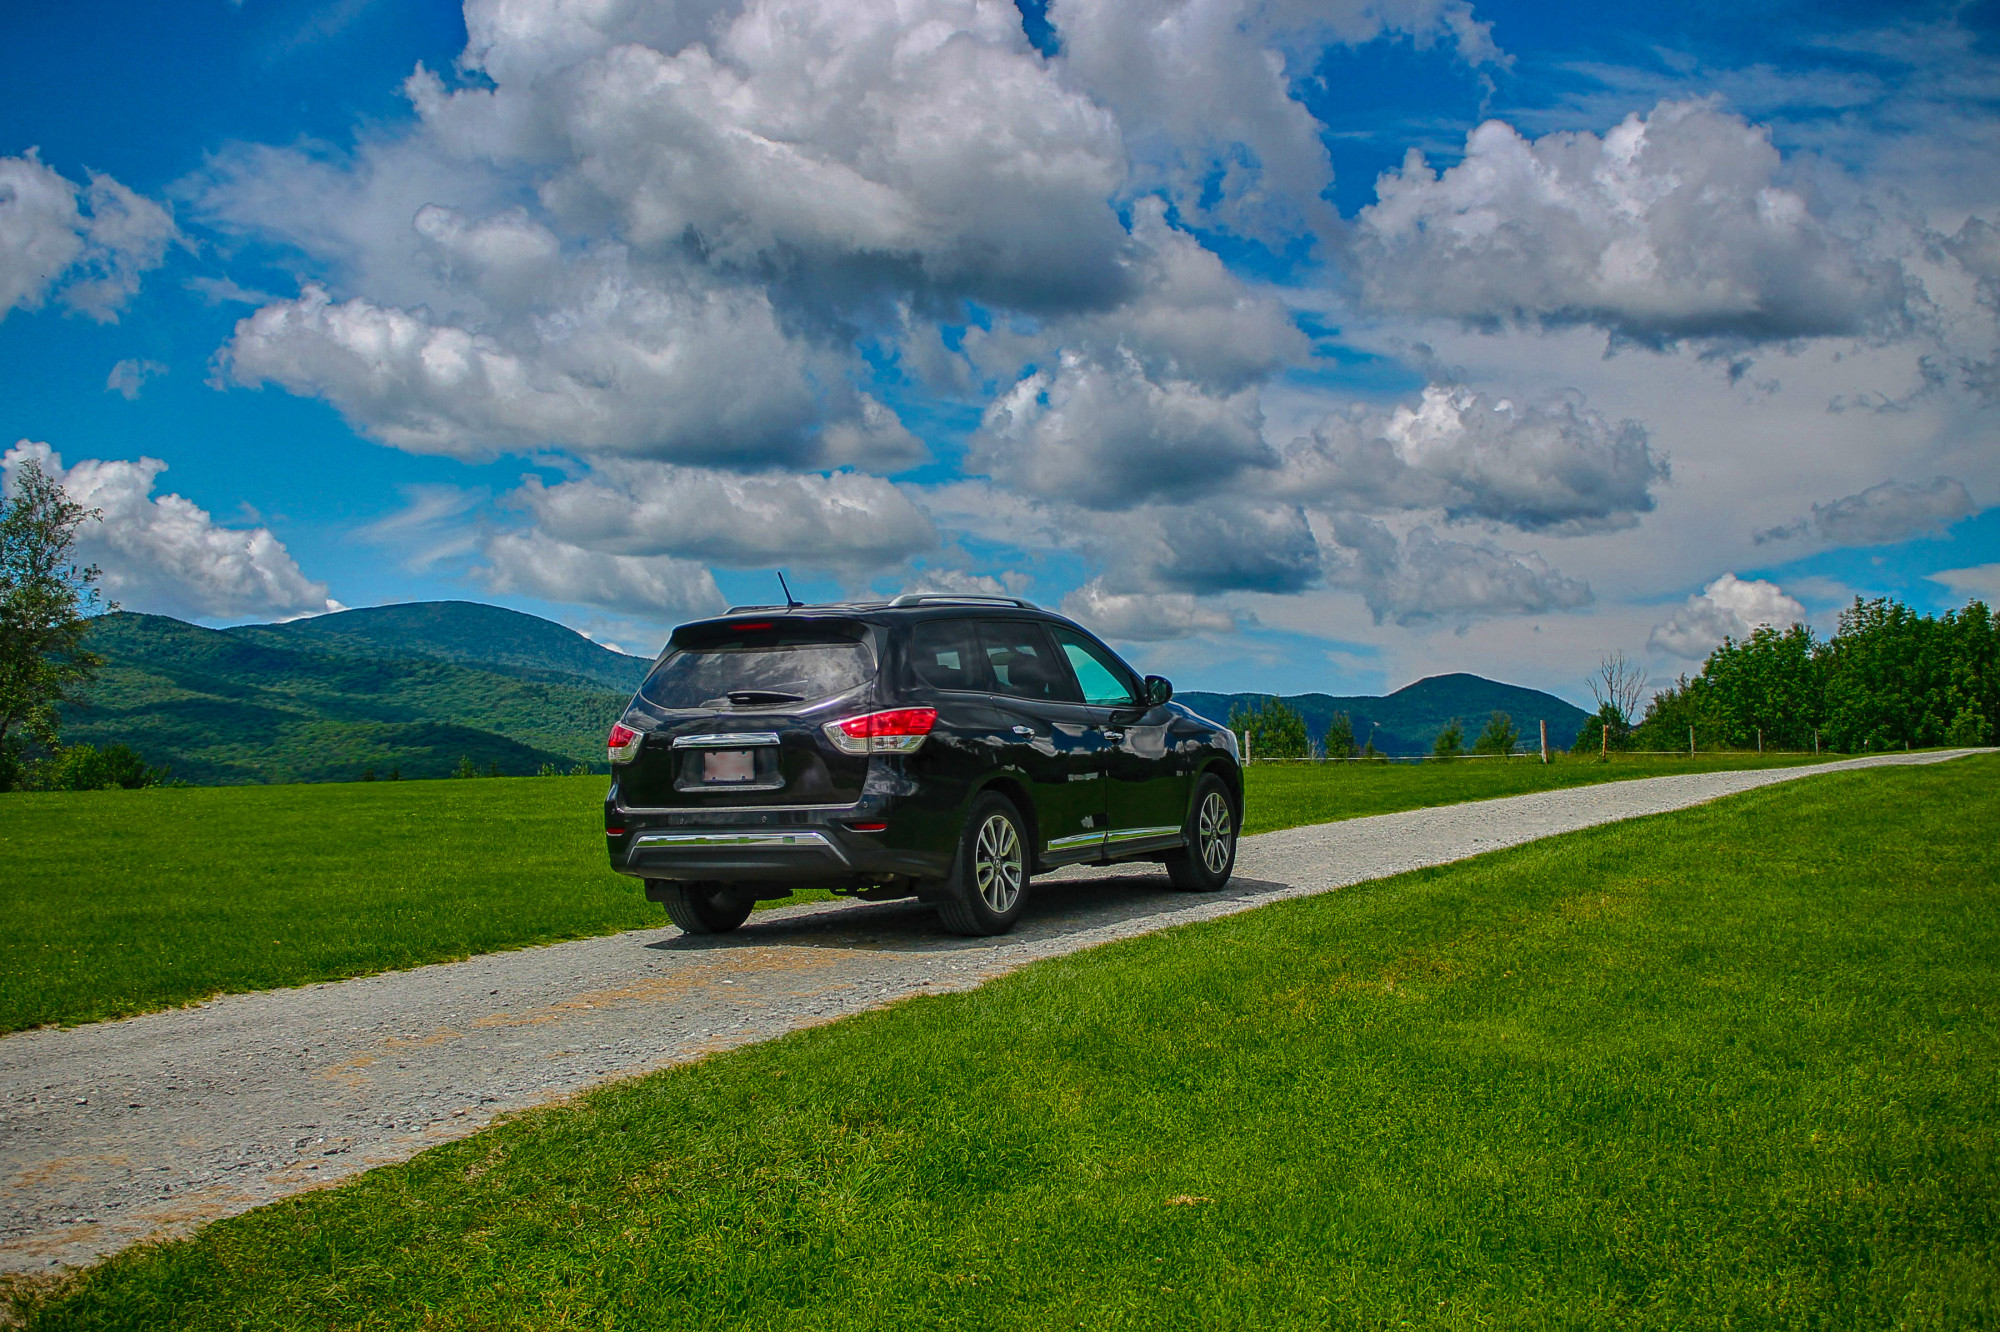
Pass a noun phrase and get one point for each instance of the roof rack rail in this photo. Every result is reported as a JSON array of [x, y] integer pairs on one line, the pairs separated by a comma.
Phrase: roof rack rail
[[960, 598]]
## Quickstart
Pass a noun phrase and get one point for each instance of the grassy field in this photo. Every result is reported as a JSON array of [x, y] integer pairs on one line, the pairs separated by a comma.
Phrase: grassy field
[[119, 902], [1737, 1066], [1286, 795], [122, 901]]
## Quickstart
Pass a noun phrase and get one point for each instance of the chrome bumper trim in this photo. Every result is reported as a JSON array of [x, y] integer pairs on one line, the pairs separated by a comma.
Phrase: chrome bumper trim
[[732, 740], [799, 841]]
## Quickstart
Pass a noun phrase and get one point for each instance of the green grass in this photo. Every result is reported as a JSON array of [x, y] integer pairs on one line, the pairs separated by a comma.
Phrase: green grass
[[118, 902], [121, 902], [1735, 1066], [1286, 795]]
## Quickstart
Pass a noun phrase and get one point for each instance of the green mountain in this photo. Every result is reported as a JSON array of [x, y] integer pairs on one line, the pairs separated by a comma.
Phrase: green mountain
[[416, 688], [1407, 721], [466, 632], [269, 703]]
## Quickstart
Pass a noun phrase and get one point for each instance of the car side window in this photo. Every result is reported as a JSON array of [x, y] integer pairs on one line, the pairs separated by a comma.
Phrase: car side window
[[1106, 683], [945, 654], [1022, 662]]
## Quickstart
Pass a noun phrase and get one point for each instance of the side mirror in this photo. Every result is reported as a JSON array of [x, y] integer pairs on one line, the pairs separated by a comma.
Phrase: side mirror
[[1158, 690]]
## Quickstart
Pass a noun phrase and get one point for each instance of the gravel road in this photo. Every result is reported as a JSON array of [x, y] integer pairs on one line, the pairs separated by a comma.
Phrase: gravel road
[[125, 1131]]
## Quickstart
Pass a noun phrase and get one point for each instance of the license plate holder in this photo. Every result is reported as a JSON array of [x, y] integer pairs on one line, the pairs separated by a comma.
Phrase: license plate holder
[[728, 767]]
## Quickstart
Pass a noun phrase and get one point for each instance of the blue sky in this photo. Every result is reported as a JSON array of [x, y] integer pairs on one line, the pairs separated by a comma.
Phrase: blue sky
[[1685, 321]]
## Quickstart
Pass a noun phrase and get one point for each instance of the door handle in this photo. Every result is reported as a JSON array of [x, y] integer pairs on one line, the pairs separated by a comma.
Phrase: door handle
[[1024, 730], [1114, 735]]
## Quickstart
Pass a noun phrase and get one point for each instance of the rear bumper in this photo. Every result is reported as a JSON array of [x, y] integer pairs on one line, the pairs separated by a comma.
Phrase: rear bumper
[[754, 846]]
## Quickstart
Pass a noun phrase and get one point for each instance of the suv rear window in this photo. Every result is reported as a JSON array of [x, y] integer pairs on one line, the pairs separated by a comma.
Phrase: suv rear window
[[759, 673]]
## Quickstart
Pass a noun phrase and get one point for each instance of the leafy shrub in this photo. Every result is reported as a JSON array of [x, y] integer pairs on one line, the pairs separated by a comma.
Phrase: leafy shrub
[[1450, 742], [88, 768], [1274, 730], [1500, 736]]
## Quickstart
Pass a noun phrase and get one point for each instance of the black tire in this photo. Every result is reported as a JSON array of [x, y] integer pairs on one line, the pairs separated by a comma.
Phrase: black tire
[[1209, 858], [989, 875], [705, 908]]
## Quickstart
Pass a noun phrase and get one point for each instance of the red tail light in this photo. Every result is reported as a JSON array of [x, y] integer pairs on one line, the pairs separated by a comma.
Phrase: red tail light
[[622, 746], [896, 731]]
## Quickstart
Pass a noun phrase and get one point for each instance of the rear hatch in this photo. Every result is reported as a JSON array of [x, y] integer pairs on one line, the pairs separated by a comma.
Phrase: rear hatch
[[732, 715]]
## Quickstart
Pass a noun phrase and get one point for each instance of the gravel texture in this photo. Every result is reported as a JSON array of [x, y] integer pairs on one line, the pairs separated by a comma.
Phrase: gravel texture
[[125, 1131]]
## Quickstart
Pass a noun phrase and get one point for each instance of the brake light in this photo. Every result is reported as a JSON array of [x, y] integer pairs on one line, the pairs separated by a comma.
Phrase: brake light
[[751, 628], [622, 746], [896, 731]]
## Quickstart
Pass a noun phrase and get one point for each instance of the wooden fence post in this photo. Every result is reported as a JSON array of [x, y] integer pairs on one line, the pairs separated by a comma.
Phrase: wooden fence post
[[1545, 741], [1690, 742], [1760, 739]]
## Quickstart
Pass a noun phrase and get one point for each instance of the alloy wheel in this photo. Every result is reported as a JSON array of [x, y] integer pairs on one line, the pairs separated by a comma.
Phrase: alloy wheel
[[998, 865], [1214, 830]]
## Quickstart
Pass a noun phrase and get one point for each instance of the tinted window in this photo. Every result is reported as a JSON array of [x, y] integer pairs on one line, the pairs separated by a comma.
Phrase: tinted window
[[1023, 662], [758, 673], [1104, 678], [945, 654]]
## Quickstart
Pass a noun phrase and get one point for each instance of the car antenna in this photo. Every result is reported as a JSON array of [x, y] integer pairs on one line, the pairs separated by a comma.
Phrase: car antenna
[[791, 602]]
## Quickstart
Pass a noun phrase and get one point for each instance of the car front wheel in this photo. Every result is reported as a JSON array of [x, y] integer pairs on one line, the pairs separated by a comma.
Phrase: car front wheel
[[1209, 858], [705, 908], [989, 878]]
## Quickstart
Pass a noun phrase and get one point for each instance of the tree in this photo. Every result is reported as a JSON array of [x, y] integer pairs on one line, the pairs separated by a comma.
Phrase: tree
[[46, 600], [1450, 742], [1618, 686], [88, 768], [1604, 731], [1339, 743], [1274, 730], [1499, 737]]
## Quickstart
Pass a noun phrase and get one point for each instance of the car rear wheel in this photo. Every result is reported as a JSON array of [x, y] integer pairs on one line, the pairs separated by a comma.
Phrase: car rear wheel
[[705, 908], [1209, 857], [989, 877]]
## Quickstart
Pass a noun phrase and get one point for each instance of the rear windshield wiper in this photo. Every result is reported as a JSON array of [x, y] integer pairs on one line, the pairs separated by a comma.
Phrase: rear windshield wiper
[[752, 697]]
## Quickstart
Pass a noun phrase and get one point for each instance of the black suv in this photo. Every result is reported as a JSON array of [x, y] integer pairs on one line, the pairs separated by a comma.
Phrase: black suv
[[941, 747]]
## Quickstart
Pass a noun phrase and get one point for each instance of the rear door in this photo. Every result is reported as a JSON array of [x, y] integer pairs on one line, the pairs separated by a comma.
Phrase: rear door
[[732, 717], [1049, 735], [1146, 782]]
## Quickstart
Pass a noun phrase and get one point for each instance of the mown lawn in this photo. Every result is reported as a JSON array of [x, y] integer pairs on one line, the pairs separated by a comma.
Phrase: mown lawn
[[1737, 1066], [1286, 795], [119, 902]]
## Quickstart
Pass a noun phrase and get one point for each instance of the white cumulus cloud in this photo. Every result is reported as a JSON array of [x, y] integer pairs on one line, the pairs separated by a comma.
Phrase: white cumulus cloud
[[1677, 224], [93, 241], [1105, 434], [1890, 512], [842, 521], [1144, 616], [654, 588], [1552, 465], [165, 554], [1203, 90], [130, 375], [1729, 607]]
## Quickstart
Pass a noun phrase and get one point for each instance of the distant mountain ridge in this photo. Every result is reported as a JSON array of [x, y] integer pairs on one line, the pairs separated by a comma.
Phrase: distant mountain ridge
[[410, 690], [1408, 721], [469, 633], [415, 688]]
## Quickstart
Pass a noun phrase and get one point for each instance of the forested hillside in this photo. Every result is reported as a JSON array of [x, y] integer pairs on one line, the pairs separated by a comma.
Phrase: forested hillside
[[235, 706], [1407, 721]]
